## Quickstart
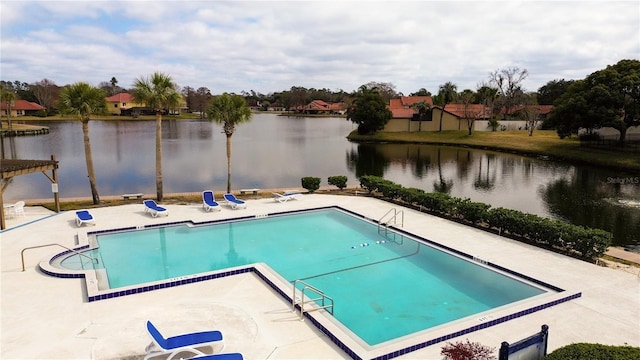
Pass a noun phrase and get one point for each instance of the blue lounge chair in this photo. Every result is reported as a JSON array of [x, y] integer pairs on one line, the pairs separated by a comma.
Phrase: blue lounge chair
[[226, 356], [234, 202], [209, 202], [185, 343], [84, 217], [152, 207]]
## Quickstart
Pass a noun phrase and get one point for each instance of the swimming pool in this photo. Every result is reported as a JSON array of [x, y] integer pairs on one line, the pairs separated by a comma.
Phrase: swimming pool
[[386, 285]]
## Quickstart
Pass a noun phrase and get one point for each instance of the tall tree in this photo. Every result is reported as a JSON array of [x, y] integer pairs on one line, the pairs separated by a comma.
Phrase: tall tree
[[487, 95], [160, 93], [531, 111], [470, 114], [84, 100], [46, 92], [230, 111], [548, 93], [369, 110], [509, 84], [607, 97], [8, 97], [447, 94], [202, 97], [386, 89]]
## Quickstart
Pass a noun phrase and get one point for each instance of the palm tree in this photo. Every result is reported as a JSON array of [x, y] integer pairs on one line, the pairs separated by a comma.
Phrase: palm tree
[[423, 109], [83, 100], [229, 110], [448, 92], [8, 97], [158, 92]]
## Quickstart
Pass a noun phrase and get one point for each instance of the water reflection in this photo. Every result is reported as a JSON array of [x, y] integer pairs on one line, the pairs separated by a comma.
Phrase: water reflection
[[275, 152]]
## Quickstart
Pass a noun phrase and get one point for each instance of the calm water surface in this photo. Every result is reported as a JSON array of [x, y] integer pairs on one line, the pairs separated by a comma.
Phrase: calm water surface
[[275, 152]]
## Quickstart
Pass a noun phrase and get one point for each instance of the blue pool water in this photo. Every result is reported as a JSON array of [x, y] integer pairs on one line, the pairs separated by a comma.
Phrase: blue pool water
[[385, 285]]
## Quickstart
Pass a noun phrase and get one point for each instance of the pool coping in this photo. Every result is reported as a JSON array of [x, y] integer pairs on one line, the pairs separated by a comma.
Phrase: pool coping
[[322, 320]]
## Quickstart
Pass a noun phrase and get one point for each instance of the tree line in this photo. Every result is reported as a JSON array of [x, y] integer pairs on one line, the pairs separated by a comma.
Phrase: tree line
[[607, 97]]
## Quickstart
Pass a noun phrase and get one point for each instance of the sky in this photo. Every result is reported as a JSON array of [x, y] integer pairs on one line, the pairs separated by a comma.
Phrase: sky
[[270, 46]]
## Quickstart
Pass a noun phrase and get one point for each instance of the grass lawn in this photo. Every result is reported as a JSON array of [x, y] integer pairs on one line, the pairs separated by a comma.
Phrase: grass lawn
[[543, 142]]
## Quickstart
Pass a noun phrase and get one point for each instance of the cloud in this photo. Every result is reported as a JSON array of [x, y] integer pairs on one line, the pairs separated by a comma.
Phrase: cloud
[[270, 46]]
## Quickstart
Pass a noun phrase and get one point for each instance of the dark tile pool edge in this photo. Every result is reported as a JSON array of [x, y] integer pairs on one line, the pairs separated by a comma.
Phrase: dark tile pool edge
[[482, 326], [335, 339]]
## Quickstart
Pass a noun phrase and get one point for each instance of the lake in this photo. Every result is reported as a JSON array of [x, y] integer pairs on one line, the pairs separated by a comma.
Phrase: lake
[[276, 152]]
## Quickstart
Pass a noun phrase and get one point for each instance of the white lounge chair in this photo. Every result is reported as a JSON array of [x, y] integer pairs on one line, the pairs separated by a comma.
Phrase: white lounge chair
[[234, 202], [209, 202], [84, 217], [180, 344], [152, 208], [281, 198]]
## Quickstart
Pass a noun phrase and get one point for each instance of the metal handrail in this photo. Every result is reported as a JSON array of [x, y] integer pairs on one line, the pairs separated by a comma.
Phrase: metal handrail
[[302, 301], [393, 218], [54, 244]]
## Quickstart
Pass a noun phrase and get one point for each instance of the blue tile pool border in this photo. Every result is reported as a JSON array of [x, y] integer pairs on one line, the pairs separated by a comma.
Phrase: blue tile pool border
[[264, 278]]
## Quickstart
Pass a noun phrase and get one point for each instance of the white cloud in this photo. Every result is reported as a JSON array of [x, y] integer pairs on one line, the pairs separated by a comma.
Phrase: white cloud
[[271, 46]]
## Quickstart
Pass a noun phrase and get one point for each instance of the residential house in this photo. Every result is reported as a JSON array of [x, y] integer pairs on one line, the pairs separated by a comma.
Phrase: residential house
[[21, 108], [405, 116], [124, 104], [322, 107]]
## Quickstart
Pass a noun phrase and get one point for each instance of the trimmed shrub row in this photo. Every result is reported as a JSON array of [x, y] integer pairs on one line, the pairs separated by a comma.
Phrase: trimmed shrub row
[[560, 236]]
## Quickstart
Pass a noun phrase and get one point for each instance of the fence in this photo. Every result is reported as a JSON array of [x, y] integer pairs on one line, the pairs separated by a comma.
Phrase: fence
[[532, 348], [612, 142]]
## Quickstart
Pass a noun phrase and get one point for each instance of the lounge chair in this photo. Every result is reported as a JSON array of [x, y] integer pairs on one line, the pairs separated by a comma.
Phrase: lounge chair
[[225, 356], [209, 202], [185, 343], [84, 217], [285, 197], [152, 207], [234, 202]]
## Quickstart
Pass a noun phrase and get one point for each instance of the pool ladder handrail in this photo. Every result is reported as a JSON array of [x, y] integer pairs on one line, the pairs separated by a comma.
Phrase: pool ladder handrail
[[301, 301], [54, 244], [392, 219]]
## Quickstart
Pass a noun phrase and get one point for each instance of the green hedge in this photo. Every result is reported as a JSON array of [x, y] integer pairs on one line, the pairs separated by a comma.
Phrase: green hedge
[[581, 351], [590, 244]]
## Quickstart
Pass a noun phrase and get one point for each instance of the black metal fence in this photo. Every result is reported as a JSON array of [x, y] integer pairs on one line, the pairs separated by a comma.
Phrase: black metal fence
[[532, 348], [631, 143]]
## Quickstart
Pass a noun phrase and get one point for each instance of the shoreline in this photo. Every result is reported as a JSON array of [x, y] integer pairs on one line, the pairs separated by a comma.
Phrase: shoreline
[[546, 146]]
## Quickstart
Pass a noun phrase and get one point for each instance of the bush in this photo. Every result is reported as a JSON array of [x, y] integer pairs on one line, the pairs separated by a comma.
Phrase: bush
[[472, 211], [372, 183], [338, 181], [594, 352], [467, 351], [311, 183]]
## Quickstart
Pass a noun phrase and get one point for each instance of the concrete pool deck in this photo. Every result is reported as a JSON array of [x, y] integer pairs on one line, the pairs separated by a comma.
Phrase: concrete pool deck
[[49, 318]]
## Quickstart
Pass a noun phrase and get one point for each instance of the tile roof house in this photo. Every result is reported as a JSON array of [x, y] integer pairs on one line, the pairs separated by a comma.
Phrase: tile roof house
[[543, 110], [321, 107], [475, 111], [124, 104], [21, 108]]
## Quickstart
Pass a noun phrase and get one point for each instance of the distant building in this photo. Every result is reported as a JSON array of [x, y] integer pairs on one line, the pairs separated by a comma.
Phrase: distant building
[[124, 104], [321, 107], [21, 108]]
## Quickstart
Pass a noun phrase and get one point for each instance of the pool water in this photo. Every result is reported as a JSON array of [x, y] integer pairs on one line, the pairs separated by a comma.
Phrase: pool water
[[385, 285]]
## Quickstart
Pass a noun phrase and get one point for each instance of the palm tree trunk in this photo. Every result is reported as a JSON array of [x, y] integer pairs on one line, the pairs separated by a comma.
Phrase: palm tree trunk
[[89, 159], [441, 114], [159, 156], [228, 163]]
